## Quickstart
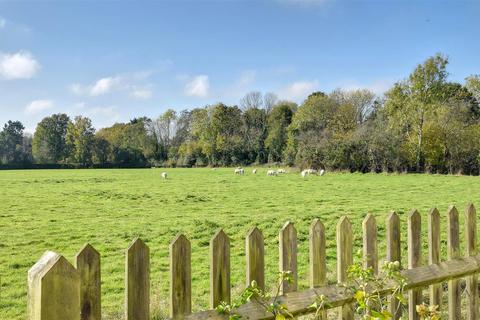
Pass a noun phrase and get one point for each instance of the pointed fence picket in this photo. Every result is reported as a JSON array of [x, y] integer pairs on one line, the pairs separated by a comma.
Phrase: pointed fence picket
[[59, 291]]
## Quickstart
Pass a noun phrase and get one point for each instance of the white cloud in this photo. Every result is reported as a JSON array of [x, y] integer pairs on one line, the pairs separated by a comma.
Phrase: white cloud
[[3, 23], [198, 86], [298, 90], [20, 65], [104, 85], [125, 82], [142, 93], [98, 88], [38, 106]]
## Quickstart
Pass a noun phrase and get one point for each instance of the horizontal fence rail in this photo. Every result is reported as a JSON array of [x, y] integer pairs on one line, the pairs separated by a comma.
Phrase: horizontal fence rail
[[57, 290]]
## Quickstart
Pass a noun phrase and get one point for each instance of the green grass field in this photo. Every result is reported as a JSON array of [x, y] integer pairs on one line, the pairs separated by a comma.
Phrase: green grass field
[[61, 210]]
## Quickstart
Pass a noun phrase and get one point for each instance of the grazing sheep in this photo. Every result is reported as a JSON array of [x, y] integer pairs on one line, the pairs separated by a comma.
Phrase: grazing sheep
[[239, 171], [254, 171], [306, 172], [281, 171], [272, 173], [164, 175], [322, 172]]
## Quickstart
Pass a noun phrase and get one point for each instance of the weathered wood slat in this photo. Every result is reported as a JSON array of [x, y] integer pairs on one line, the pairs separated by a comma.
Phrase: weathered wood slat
[[344, 260], [318, 262], [434, 253], [370, 254], [288, 256], [180, 277], [255, 256], [394, 254], [53, 289], [137, 281], [299, 302], [453, 251], [219, 269], [87, 262], [414, 260], [471, 250]]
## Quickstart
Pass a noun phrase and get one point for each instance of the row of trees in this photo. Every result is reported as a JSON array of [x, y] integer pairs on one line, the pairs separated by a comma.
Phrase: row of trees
[[423, 123]]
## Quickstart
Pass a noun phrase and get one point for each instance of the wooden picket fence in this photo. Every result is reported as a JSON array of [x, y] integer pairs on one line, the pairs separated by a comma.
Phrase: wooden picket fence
[[58, 290]]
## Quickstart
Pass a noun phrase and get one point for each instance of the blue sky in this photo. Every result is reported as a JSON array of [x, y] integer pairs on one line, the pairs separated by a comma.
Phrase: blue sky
[[114, 60]]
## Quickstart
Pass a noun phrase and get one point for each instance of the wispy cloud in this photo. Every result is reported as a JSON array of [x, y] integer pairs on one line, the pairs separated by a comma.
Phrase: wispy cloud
[[106, 85], [298, 90], [100, 87], [198, 86], [20, 65], [38, 106]]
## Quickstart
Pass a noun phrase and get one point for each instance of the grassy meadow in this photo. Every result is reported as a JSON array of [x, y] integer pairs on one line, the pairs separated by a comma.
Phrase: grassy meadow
[[60, 210]]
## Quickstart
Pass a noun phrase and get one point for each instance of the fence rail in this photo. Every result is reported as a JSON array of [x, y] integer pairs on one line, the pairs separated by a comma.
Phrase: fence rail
[[59, 291]]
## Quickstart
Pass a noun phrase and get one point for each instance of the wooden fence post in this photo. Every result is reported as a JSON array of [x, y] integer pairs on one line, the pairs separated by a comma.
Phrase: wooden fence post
[[219, 269], [87, 262], [414, 260], [255, 256], [370, 253], [180, 277], [434, 253], [344, 260], [288, 256], [394, 253], [318, 264], [53, 289], [471, 250], [137, 281], [453, 251]]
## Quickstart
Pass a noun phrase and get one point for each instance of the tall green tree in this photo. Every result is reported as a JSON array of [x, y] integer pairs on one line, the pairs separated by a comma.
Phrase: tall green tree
[[411, 102], [129, 142], [49, 143], [12, 143], [80, 140], [279, 119]]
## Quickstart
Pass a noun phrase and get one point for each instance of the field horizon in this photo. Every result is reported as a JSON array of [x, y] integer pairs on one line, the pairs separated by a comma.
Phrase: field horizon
[[61, 210]]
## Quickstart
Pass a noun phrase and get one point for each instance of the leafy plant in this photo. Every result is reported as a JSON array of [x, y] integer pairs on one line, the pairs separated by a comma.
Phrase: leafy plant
[[428, 312], [320, 305], [368, 289], [271, 304]]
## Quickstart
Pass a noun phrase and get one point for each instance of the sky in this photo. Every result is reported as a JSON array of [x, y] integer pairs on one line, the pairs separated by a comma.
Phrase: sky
[[116, 60]]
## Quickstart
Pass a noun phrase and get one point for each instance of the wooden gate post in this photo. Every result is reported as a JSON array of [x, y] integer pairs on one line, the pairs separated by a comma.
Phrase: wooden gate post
[[53, 289]]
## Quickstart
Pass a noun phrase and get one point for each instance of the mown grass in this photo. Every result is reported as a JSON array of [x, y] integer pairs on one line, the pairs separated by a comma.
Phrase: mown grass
[[61, 210]]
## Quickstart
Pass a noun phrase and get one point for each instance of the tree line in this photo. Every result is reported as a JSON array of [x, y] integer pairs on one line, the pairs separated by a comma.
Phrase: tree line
[[422, 123]]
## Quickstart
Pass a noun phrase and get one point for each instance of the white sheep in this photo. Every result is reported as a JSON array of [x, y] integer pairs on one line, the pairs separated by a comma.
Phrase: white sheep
[[281, 171], [306, 172], [322, 172], [239, 171], [254, 171], [164, 175], [272, 173]]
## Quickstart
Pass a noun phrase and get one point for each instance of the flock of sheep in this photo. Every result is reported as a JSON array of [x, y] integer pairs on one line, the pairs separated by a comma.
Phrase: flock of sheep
[[270, 172], [276, 172]]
